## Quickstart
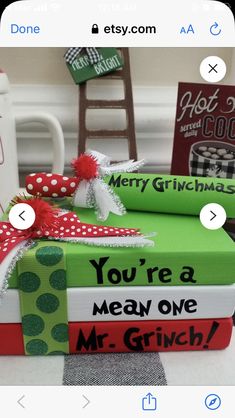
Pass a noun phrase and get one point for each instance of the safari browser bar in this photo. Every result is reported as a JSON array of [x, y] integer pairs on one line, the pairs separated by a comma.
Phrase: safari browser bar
[[155, 23]]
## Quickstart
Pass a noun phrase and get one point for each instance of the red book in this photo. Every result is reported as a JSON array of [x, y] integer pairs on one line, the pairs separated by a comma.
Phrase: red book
[[204, 131], [132, 336]]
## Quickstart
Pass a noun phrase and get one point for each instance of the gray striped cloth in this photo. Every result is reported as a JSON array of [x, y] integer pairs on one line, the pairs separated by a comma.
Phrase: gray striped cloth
[[117, 369]]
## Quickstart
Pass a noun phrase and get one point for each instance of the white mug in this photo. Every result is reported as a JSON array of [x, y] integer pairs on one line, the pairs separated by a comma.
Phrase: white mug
[[9, 176]]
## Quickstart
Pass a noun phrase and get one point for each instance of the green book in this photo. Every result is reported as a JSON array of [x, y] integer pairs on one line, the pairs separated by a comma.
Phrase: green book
[[172, 194], [185, 253]]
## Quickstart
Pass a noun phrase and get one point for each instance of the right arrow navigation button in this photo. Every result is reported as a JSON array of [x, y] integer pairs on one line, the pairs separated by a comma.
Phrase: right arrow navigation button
[[86, 402], [212, 216]]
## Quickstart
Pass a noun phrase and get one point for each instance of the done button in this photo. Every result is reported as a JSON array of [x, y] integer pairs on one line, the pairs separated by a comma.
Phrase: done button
[[27, 30]]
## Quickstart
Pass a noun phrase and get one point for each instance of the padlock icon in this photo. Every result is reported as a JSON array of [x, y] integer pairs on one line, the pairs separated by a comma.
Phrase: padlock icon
[[95, 28]]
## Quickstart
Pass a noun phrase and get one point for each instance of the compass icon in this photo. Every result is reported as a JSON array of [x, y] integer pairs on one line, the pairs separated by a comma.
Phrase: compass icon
[[213, 401]]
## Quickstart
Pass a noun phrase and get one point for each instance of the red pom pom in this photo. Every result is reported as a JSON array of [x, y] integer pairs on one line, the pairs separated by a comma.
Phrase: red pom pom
[[85, 167], [46, 215]]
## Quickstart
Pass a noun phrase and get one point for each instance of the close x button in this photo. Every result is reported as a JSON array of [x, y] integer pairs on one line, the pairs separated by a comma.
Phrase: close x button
[[213, 69]]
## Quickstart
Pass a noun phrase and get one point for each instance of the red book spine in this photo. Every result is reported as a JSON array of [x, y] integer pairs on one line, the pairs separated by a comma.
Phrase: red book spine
[[137, 336], [133, 336]]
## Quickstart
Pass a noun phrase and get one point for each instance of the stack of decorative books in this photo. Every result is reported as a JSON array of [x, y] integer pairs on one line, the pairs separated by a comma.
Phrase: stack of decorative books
[[177, 295]]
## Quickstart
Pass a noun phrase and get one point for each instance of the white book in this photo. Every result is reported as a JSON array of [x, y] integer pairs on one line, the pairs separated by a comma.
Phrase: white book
[[136, 303]]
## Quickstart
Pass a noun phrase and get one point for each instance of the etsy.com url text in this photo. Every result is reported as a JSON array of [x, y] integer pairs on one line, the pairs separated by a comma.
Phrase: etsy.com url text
[[123, 30]]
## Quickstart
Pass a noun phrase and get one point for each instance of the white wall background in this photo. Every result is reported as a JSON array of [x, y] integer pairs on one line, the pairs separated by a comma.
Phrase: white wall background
[[150, 66], [40, 80]]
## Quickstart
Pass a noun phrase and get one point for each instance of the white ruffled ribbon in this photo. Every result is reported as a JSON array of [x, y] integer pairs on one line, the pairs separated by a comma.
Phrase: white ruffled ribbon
[[96, 193]]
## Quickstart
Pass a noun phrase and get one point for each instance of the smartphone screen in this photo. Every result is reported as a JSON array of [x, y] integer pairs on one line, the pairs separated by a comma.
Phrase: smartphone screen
[[117, 214]]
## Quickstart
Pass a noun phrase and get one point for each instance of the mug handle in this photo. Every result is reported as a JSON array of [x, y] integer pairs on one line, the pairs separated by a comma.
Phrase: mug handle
[[56, 132]]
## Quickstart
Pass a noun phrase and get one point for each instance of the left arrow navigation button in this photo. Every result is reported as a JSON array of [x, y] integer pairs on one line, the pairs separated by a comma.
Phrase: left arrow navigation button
[[22, 216], [21, 401]]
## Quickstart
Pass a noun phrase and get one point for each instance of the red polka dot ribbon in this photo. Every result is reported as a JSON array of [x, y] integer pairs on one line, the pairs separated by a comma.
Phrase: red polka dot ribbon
[[51, 185], [87, 186], [66, 226]]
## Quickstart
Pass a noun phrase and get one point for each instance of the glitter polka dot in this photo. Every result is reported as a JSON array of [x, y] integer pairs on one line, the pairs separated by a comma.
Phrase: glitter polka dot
[[30, 186], [45, 188], [47, 303], [32, 325], [29, 282], [60, 333], [63, 189], [37, 347], [58, 279], [49, 256], [39, 180]]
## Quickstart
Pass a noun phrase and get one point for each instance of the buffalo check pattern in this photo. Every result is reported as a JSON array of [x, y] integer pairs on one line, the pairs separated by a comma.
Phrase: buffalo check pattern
[[200, 166], [72, 54]]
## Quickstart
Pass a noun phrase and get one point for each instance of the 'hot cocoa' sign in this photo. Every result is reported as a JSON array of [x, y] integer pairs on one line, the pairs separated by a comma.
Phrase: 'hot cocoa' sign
[[204, 139]]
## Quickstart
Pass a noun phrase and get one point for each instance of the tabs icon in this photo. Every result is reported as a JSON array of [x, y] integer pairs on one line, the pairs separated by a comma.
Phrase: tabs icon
[[185, 30]]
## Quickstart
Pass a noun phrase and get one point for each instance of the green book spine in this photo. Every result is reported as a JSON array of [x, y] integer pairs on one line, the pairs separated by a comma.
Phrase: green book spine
[[173, 194], [185, 253]]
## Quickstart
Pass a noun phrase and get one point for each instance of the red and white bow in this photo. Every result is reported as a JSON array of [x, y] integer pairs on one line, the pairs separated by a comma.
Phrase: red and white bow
[[87, 186], [55, 224]]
